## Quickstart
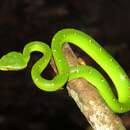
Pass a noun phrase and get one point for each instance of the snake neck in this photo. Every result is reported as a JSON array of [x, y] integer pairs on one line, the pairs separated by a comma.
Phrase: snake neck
[[41, 47], [47, 85]]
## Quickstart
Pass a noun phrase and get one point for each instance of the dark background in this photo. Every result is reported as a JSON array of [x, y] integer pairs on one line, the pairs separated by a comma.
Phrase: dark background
[[22, 105]]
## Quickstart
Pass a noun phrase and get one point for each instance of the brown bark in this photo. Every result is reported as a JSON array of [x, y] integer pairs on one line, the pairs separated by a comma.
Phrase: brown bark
[[88, 100]]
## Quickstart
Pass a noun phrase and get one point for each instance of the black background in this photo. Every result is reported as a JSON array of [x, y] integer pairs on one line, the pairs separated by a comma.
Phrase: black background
[[22, 105]]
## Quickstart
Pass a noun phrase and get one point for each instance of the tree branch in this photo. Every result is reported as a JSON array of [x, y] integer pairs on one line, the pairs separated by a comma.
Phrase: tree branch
[[88, 100]]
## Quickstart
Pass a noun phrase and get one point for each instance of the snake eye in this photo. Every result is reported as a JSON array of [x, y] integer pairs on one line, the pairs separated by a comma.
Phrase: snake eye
[[12, 61]]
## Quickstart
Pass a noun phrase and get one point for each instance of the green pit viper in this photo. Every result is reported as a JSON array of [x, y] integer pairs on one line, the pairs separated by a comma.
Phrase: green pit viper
[[17, 61]]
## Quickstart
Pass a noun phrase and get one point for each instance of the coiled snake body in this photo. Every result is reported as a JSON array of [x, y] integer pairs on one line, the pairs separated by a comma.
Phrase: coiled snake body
[[17, 61]]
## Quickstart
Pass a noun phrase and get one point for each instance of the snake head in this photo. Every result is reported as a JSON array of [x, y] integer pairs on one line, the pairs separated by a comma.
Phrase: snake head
[[12, 61]]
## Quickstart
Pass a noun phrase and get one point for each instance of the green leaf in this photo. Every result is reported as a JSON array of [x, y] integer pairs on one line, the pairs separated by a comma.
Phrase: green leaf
[[12, 61]]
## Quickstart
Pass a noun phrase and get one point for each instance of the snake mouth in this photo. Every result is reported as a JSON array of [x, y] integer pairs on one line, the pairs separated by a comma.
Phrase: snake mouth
[[10, 68]]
